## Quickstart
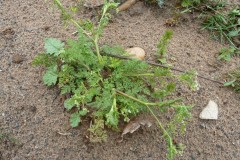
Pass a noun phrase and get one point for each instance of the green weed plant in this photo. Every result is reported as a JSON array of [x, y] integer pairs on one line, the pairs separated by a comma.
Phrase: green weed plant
[[234, 80], [110, 89]]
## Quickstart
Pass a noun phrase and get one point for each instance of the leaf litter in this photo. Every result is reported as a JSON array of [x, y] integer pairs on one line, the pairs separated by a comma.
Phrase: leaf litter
[[134, 125]]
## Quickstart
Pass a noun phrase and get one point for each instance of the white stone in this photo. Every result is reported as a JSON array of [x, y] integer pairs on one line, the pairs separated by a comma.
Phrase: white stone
[[210, 111]]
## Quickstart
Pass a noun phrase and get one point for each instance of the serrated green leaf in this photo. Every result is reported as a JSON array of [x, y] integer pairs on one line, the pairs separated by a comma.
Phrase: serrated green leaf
[[69, 103], [163, 60], [186, 3], [40, 59], [88, 25], [66, 89], [53, 46], [112, 115], [75, 119], [83, 112], [51, 76], [233, 33], [231, 83]]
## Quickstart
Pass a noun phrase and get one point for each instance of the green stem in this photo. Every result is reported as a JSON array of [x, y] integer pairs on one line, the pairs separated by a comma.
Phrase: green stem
[[165, 133], [100, 60], [135, 99], [137, 75], [82, 30], [65, 13], [95, 40], [96, 37], [84, 65]]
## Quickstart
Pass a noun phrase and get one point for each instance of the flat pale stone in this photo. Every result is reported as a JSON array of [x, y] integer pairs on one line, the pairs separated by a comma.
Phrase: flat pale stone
[[210, 111]]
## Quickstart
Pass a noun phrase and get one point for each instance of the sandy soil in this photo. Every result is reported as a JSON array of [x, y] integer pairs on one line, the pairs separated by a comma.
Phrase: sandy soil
[[32, 114]]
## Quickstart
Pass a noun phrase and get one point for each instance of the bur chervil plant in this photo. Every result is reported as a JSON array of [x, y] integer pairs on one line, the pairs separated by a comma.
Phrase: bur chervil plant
[[107, 88]]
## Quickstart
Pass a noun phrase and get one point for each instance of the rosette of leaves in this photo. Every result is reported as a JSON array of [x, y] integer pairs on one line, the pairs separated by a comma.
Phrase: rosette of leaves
[[110, 89]]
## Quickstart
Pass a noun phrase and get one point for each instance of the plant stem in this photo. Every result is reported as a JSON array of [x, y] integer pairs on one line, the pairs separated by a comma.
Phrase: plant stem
[[82, 30], [135, 99], [165, 133], [95, 40], [137, 75], [65, 13], [96, 37], [160, 65], [100, 60]]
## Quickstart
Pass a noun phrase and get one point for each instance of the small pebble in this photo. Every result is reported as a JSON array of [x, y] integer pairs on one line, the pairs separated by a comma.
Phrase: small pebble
[[136, 52]]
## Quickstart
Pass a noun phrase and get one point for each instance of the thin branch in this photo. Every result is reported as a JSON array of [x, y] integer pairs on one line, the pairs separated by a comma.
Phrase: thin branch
[[160, 65]]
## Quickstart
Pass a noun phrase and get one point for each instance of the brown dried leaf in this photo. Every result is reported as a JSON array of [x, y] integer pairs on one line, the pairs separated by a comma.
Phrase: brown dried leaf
[[146, 123], [135, 125]]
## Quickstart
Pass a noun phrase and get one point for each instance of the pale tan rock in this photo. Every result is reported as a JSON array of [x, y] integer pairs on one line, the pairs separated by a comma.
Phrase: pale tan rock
[[136, 52]]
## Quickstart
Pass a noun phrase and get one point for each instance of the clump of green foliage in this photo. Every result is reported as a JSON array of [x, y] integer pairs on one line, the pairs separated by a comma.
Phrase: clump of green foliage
[[110, 89], [159, 2], [162, 45], [234, 79], [202, 5], [224, 24], [227, 53]]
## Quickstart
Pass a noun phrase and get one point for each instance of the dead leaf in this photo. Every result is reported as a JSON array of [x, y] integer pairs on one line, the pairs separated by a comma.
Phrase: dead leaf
[[135, 125]]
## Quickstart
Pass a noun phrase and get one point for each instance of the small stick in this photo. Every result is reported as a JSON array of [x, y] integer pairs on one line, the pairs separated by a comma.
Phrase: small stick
[[64, 134], [160, 65]]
